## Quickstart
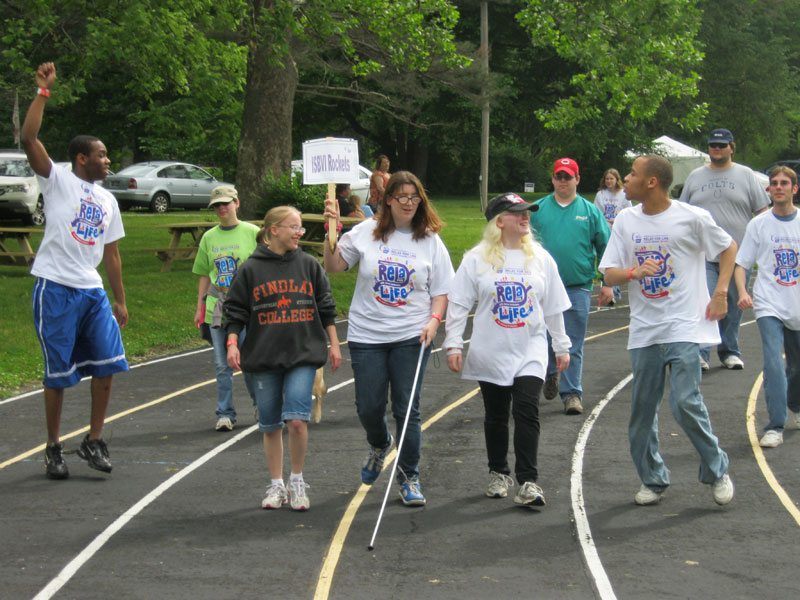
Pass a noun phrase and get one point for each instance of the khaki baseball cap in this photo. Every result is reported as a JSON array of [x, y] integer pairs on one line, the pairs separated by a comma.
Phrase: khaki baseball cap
[[223, 194]]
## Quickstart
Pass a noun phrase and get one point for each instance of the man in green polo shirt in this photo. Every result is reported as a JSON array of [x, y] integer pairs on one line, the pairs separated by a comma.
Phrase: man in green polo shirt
[[575, 233]]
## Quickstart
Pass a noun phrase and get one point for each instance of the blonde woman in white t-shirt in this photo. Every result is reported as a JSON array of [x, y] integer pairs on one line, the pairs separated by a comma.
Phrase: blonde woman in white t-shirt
[[520, 299], [404, 274]]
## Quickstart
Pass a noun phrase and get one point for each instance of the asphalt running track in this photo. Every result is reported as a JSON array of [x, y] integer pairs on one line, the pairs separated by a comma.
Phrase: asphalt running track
[[180, 515]]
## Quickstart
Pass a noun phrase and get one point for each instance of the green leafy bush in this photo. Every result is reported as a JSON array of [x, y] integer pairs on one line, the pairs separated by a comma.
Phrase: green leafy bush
[[283, 190]]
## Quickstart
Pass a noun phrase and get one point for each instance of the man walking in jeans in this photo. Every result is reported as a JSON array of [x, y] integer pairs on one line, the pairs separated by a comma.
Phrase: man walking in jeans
[[731, 193], [575, 233], [658, 248], [772, 240]]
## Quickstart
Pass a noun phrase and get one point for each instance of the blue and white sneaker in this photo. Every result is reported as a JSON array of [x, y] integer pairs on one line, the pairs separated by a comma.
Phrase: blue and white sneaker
[[410, 493], [373, 464]]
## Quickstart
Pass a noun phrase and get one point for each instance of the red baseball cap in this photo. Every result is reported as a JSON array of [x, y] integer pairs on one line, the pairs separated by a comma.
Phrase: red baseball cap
[[568, 165]]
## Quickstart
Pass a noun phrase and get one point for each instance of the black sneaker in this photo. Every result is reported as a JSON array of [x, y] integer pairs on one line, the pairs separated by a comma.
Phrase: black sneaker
[[551, 386], [55, 467], [95, 452]]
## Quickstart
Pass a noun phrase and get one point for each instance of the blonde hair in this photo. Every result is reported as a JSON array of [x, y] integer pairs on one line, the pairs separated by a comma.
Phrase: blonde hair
[[274, 216], [354, 200], [493, 252]]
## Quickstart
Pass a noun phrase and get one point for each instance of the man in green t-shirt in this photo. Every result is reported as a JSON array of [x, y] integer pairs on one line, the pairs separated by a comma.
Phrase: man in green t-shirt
[[574, 231], [222, 250]]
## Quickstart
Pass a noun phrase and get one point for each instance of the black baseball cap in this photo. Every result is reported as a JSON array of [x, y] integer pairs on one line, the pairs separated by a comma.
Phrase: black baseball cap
[[510, 202], [720, 136]]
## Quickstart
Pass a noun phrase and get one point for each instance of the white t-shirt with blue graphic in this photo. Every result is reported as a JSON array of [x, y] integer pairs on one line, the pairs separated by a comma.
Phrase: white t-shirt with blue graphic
[[396, 281], [80, 219], [509, 335], [669, 306], [611, 203], [774, 244]]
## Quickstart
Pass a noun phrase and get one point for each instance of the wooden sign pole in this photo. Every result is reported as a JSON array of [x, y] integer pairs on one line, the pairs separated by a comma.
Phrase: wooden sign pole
[[333, 235]]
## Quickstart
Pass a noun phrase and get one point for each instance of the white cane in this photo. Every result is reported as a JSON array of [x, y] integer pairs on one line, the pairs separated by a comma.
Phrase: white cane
[[399, 446]]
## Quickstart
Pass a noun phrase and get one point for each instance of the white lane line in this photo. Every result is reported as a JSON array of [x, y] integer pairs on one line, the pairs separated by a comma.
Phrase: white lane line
[[76, 563], [590, 555]]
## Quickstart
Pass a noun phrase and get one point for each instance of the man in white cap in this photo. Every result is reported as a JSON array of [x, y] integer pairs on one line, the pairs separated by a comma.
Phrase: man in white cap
[[732, 194]]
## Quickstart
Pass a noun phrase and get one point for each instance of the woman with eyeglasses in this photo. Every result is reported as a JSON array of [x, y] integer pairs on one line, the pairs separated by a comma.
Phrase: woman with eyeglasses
[[221, 251], [283, 297], [404, 274]]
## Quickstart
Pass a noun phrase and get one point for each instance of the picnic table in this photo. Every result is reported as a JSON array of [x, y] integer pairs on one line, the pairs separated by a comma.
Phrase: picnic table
[[25, 255], [312, 239]]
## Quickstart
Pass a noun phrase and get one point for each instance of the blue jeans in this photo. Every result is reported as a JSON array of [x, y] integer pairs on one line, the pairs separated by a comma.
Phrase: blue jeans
[[219, 337], [376, 368], [281, 395], [686, 404], [781, 380], [575, 320], [729, 326]]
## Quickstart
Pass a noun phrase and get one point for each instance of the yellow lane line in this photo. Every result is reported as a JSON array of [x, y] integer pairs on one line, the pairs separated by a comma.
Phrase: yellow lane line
[[759, 453], [124, 413], [337, 543]]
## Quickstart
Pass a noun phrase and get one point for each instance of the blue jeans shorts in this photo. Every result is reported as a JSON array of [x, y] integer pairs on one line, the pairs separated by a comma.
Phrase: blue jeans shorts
[[281, 395], [78, 333]]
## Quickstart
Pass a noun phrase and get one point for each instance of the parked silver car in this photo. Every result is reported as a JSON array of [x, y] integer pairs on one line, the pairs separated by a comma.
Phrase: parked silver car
[[162, 184], [19, 191]]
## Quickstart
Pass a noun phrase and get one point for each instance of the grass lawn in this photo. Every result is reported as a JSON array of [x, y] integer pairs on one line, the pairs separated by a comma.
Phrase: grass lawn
[[161, 305]]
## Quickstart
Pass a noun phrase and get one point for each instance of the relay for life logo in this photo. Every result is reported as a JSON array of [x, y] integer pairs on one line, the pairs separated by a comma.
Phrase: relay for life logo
[[394, 282], [658, 284], [89, 222], [786, 272], [513, 303], [226, 268]]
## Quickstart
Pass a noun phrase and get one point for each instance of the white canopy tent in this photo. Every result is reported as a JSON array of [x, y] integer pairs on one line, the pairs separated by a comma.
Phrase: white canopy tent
[[684, 159]]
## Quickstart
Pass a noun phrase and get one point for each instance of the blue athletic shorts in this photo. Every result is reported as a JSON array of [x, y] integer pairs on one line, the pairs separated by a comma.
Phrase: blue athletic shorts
[[78, 333]]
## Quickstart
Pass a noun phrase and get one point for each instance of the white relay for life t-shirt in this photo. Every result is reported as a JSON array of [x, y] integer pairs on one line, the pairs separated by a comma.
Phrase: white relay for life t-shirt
[[774, 245], [509, 336], [670, 306], [80, 219], [396, 281]]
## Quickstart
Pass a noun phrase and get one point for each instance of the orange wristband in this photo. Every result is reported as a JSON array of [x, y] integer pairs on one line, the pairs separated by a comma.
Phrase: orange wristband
[[44, 92], [630, 273], [437, 317]]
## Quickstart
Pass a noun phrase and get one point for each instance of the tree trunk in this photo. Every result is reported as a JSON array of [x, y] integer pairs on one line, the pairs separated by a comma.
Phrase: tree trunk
[[266, 141]]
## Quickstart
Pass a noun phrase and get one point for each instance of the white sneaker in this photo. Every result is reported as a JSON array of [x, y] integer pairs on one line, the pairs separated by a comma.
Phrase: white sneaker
[[498, 486], [646, 496], [224, 424], [704, 364], [529, 494], [275, 496], [298, 499], [722, 489], [795, 418], [733, 362], [771, 439]]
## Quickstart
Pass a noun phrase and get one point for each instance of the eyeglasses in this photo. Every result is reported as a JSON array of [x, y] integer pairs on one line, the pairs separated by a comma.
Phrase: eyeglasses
[[221, 203], [295, 228], [406, 199], [718, 146], [562, 176]]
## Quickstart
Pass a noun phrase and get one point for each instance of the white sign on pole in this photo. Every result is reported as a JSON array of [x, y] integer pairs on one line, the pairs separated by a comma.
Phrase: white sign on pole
[[330, 160], [529, 187]]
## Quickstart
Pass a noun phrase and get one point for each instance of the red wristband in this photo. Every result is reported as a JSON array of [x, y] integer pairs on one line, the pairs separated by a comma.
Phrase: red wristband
[[231, 343], [437, 317], [338, 226], [630, 273], [44, 92]]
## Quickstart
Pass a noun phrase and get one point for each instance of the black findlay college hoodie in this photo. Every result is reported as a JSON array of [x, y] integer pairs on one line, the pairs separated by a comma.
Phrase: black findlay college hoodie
[[285, 302]]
